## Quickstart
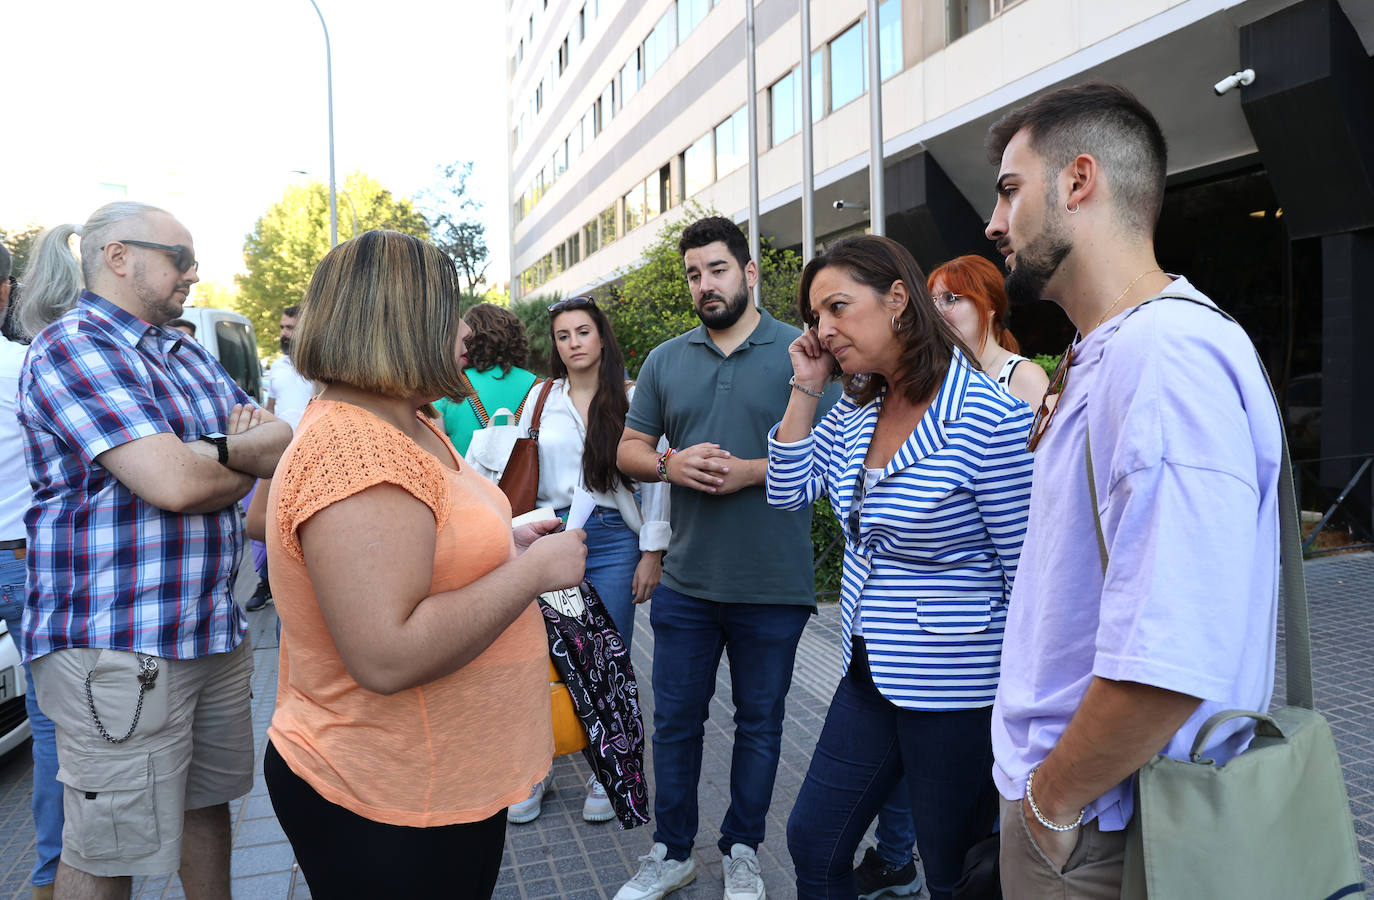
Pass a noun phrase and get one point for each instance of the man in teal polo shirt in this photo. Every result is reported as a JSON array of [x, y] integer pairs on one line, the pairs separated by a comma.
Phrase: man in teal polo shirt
[[738, 575]]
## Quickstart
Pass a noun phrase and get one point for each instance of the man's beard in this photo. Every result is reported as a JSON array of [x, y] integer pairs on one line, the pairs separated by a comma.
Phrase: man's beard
[[734, 308], [159, 308], [1037, 262], [286, 346]]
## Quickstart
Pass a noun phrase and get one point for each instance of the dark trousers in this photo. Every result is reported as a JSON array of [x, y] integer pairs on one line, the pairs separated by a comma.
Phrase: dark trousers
[[344, 855], [760, 641], [866, 746]]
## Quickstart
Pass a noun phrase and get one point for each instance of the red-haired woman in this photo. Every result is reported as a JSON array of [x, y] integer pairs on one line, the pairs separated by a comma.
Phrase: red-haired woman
[[968, 292]]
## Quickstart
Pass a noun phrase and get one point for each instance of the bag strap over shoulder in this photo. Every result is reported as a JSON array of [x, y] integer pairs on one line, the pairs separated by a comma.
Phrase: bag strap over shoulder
[[1297, 643], [538, 406], [482, 418]]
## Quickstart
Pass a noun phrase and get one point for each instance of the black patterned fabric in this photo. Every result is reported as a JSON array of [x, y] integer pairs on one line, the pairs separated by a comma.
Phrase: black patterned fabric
[[593, 661]]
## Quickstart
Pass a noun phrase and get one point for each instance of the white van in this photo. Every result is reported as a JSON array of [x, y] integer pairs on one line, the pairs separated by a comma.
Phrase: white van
[[229, 337]]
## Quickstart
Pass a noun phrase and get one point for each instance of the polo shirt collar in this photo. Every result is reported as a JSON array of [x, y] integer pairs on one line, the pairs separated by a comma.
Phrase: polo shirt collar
[[765, 332]]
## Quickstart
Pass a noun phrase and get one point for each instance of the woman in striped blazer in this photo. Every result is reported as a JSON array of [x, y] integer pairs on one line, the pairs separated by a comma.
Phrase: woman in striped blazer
[[924, 462]]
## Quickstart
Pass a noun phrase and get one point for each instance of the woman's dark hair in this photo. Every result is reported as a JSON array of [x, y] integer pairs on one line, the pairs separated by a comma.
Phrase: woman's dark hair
[[606, 414], [927, 340], [497, 339]]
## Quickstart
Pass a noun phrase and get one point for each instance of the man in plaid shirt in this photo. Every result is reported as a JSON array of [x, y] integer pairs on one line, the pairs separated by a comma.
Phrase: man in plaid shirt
[[139, 447]]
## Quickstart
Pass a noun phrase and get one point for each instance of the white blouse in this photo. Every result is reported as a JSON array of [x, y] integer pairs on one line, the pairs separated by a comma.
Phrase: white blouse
[[562, 438]]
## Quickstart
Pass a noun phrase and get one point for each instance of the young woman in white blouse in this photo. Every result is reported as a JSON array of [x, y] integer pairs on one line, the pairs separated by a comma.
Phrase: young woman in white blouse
[[579, 431]]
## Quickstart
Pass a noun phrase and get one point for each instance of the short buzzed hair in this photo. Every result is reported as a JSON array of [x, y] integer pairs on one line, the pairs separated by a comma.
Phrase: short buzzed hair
[[1108, 123], [292, 311], [716, 228]]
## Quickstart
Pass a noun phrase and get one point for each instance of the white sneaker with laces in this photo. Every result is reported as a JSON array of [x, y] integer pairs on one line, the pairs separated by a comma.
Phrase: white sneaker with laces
[[597, 807], [657, 876], [528, 810], [742, 878]]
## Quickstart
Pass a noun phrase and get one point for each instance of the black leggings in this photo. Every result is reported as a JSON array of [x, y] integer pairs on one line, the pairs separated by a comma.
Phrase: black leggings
[[344, 855]]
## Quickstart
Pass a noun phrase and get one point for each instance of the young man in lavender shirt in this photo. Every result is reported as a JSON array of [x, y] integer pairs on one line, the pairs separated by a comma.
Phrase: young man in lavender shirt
[[1103, 670]]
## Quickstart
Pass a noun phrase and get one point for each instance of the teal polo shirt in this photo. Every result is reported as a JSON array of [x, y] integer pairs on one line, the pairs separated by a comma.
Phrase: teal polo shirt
[[733, 548], [495, 389]]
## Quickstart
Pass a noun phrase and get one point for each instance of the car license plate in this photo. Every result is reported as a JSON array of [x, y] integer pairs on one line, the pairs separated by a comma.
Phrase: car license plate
[[7, 683]]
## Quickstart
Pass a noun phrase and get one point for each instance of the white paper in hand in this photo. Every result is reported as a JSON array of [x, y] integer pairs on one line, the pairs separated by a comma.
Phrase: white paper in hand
[[583, 503]]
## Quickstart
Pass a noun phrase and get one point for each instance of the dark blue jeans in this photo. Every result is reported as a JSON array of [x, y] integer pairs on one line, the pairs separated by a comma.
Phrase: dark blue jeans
[[760, 641], [866, 746]]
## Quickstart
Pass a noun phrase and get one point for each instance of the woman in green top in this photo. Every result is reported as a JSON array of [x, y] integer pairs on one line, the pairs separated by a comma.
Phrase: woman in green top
[[496, 353]]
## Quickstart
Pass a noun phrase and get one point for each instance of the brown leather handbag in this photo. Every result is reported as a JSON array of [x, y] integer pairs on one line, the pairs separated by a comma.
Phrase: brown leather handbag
[[520, 480]]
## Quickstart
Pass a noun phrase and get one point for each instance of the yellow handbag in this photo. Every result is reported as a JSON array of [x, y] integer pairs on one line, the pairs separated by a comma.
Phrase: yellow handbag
[[568, 736]]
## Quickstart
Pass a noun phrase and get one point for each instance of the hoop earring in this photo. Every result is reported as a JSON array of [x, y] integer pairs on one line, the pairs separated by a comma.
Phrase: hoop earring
[[1071, 210], [896, 326]]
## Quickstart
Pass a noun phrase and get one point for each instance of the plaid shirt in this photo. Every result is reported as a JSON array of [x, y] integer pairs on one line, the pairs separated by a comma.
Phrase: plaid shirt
[[107, 569]]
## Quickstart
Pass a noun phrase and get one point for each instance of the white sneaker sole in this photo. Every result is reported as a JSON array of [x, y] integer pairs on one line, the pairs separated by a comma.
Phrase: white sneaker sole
[[598, 815]]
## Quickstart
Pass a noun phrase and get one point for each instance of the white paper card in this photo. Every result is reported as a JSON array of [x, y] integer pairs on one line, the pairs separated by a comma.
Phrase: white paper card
[[583, 503]]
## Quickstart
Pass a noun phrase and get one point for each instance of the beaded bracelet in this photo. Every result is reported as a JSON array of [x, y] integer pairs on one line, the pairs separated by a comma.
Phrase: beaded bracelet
[[803, 388], [1040, 817], [663, 463]]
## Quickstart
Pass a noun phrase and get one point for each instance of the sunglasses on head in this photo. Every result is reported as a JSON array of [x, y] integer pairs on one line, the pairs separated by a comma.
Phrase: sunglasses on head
[[185, 258], [572, 303]]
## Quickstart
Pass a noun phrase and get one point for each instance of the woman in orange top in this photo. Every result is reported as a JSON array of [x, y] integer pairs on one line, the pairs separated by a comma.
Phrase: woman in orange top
[[412, 700]]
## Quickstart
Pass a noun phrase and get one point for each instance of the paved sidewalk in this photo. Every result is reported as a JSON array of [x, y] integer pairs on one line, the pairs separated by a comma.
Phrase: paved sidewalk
[[561, 856]]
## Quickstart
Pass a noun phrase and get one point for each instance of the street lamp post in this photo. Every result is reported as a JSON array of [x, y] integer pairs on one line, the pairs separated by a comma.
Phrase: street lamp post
[[346, 195], [329, 87]]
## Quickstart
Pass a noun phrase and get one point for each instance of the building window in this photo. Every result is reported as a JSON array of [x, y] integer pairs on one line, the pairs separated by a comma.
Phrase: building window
[[563, 57], [665, 189], [634, 208], [607, 104], [732, 142], [785, 100], [660, 42], [962, 16], [696, 166], [848, 66], [608, 229], [590, 240], [560, 160], [630, 77], [689, 16], [654, 190], [574, 254], [589, 130], [582, 23], [574, 144]]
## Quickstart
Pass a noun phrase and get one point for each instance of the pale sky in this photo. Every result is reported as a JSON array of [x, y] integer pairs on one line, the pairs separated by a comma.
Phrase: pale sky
[[204, 108]]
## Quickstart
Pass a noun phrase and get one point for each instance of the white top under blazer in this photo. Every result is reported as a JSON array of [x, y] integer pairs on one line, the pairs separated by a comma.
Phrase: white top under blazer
[[930, 557]]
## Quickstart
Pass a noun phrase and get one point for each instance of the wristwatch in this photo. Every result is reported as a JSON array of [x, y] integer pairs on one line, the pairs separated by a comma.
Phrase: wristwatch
[[221, 442]]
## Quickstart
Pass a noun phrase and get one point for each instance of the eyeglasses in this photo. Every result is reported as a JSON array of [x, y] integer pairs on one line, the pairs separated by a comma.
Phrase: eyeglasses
[[1045, 413], [185, 258], [945, 300], [572, 303]]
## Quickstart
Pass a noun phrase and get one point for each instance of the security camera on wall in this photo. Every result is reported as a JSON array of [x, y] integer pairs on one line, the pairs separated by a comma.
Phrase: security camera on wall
[[1225, 85]]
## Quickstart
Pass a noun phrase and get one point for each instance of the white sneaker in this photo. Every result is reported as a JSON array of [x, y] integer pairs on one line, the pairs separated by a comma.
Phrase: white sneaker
[[528, 810], [742, 878], [597, 807], [657, 876]]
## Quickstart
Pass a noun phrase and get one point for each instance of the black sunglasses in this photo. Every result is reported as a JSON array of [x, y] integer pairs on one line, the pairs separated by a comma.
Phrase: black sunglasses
[[185, 259], [572, 303]]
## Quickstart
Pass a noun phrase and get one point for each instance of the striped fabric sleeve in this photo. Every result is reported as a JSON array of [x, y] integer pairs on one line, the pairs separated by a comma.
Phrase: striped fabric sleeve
[[1002, 488], [797, 470]]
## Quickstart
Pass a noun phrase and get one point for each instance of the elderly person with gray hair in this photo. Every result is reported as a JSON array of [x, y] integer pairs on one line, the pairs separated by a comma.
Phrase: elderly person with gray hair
[[138, 447]]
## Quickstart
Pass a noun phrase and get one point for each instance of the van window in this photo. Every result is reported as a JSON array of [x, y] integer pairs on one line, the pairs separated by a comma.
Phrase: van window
[[238, 353]]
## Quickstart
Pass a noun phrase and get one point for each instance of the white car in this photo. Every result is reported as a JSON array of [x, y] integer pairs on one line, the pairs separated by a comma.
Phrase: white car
[[14, 718]]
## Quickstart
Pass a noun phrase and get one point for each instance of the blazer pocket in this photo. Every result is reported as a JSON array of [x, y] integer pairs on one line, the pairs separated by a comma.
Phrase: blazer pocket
[[954, 615]]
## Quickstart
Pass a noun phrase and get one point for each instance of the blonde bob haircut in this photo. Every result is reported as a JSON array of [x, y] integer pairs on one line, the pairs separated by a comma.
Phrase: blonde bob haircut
[[381, 315]]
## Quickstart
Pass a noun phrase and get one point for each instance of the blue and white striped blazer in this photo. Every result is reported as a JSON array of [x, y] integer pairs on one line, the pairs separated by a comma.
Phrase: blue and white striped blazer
[[938, 537]]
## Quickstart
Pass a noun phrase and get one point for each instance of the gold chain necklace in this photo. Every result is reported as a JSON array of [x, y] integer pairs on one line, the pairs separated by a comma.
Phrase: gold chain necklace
[[1123, 295]]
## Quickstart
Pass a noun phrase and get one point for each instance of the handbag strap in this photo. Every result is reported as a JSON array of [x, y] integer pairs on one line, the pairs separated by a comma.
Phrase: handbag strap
[[538, 406], [476, 402], [1297, 630]]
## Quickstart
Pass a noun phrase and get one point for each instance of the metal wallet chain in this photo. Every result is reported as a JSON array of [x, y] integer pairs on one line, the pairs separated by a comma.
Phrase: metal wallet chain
[[147, 675]]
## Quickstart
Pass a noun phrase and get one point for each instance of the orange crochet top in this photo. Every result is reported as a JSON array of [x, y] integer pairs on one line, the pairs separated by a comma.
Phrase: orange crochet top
[[455, 750]]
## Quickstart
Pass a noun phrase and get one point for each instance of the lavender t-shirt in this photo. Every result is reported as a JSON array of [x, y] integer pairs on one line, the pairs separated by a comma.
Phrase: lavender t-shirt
[[1186, 447]]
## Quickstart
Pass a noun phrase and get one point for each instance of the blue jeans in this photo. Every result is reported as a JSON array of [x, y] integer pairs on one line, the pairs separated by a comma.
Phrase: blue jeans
[[896, 832], [612, 555], [47, 790], [866, 746], [689, 636]]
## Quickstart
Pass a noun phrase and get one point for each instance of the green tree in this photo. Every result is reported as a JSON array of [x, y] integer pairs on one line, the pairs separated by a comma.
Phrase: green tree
[[18, 243], [291, 238], [533, 313], [452, 229]]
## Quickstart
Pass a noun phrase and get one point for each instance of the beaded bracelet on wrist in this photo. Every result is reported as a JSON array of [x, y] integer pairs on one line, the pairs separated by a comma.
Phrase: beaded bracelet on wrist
[[1040, 817], [804, 389]]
